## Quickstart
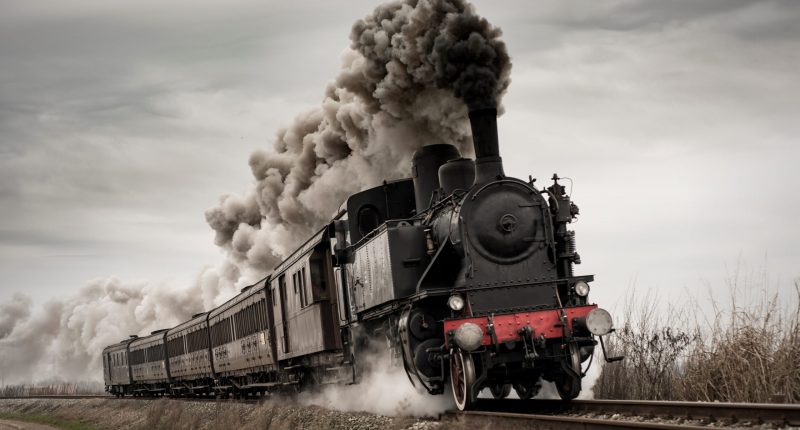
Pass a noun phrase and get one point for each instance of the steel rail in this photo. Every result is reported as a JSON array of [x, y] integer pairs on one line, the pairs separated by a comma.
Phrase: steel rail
[[547, 412], [560, 422], [59, 396], [756, 413], [256, 399]]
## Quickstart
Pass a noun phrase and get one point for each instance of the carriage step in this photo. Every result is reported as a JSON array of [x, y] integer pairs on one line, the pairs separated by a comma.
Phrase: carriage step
[[337, 382], [261, 385]]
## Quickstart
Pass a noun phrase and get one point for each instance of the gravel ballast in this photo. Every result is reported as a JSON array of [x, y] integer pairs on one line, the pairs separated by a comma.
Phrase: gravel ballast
[[179, 414]]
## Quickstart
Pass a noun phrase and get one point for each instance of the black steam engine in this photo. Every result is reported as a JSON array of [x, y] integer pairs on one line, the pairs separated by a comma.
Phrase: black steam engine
[[464, 275], [477, 287]]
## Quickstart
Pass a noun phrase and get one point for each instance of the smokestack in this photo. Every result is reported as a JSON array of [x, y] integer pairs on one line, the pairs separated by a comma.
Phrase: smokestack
[[488, 164]]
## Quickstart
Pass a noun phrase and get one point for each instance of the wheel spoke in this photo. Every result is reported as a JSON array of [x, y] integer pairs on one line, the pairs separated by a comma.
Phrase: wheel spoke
[[462, 377]]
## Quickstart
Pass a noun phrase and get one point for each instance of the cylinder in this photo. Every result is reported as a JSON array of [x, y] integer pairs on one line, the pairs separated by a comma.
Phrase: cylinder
[[425, 171]]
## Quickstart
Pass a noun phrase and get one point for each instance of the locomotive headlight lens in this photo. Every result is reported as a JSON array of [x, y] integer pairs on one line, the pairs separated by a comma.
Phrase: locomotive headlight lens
[[468, 336], [582, 289], [599, 322], [455, 302]]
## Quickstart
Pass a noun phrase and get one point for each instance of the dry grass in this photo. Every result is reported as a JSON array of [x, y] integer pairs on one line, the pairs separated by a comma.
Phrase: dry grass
[[745, 350], [48, 420], [52, 389]]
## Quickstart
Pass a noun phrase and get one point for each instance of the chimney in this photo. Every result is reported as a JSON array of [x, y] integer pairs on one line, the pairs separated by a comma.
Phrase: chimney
[[488, 164]]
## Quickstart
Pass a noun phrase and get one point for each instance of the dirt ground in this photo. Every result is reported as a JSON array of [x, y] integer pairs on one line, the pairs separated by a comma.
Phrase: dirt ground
[[19, 425]]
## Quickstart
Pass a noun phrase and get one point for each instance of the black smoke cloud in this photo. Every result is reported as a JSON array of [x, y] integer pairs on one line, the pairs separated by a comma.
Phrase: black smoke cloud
[[412, 69]]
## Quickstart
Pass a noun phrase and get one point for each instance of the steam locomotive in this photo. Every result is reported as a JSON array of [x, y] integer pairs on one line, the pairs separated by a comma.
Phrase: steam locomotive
[[464, 276]]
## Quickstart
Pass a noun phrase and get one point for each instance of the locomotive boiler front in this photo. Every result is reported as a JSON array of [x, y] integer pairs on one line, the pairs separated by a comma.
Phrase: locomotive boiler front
[[504, 222], [500, 228]]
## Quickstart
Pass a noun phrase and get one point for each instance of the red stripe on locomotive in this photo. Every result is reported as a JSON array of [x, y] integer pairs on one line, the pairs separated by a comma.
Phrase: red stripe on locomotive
[[506, 327]]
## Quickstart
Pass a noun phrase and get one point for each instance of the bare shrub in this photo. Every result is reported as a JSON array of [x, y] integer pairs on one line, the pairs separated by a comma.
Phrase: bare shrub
[[652, 344], [745, 350], [750, 353]]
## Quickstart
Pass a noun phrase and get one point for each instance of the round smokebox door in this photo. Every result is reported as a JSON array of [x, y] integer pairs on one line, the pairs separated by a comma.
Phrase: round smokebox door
[[505, 222]]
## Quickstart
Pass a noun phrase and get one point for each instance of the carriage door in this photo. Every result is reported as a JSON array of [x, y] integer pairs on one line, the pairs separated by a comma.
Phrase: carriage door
[[282, 293], [340, 296]]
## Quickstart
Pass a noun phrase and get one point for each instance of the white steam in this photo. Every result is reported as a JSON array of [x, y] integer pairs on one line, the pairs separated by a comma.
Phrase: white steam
[[65, 338], [385, 389]]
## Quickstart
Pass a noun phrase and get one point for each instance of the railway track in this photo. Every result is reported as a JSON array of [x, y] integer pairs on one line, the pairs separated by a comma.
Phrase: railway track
[[586, 414], [618, 414], [60, 396], [129, 398]]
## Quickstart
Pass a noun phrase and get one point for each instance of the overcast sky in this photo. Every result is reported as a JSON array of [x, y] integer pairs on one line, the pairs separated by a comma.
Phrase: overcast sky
[[121, 122]]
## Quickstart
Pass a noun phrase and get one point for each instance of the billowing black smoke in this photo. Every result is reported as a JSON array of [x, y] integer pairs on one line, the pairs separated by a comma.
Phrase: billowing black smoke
[[403, 84], [471, 60], [413, 68]]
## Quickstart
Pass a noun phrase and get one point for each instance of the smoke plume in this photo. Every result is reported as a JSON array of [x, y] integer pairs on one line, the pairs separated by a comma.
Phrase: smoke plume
[[65, 338], [411, 70], [406, 80]]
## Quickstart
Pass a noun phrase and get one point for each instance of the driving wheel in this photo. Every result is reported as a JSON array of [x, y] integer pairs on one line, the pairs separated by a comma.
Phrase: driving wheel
[[462, 378]]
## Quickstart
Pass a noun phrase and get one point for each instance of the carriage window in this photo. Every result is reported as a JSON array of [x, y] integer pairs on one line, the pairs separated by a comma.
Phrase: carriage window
[[368, 219], [319, 280], [300, 286], [304, 286]]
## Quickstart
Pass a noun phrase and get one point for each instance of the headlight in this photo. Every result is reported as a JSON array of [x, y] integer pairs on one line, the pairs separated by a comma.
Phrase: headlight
[[468, 336], [455, 302], [599, 322], [581, 288]]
